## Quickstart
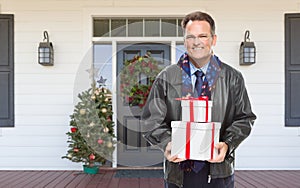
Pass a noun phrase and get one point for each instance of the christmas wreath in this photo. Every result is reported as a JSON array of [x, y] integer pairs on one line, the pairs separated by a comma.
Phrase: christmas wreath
[[134, 88]]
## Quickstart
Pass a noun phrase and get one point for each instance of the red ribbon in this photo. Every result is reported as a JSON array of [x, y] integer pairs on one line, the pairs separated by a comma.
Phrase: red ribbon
[[187, 140], [188, 124], [212, 141], [192, 99]]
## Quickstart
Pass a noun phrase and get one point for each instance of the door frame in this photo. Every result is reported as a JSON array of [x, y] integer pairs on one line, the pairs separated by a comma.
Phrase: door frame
[[173, 41]]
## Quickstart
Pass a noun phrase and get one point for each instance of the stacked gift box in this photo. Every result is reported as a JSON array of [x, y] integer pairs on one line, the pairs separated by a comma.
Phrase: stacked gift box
[[195, 136]]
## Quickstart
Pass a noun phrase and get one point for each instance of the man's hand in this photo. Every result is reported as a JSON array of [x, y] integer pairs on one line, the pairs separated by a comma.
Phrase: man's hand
[[222, 150], [170, 158]]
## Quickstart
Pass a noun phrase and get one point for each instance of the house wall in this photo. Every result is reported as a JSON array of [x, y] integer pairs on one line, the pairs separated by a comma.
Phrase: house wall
[[44, 95]]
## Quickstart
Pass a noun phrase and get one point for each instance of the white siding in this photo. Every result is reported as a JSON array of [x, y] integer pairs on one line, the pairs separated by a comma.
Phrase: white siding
[[44, 95]]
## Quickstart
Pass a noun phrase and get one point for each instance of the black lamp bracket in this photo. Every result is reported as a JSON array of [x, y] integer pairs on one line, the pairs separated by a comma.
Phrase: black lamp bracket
[[46, 36], [246, 37]]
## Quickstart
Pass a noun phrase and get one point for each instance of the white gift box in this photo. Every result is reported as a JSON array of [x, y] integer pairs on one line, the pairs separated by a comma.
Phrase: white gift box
[[201, 110], [202, 138]]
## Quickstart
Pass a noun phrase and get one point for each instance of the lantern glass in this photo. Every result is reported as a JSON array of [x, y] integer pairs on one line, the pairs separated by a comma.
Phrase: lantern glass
[[247, 53], [45, 53]]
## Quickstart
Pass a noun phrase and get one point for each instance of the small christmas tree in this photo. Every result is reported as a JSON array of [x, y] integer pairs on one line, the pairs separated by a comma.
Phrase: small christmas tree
[[91, 136]]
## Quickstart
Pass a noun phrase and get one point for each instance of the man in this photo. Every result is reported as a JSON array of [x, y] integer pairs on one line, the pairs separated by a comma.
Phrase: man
[[231, 106]]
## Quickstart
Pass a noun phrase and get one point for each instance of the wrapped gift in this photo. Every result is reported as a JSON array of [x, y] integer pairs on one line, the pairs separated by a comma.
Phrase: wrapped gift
[[191, 140], [196, 109]]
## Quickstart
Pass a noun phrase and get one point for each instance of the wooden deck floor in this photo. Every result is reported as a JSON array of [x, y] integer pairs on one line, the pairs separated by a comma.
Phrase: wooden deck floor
[[105, 179]]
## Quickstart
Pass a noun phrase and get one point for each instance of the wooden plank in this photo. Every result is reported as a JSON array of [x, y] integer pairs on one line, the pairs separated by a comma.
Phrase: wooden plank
[[106, 178], [247, 176], [85, 179], [96, 179], [46, 178], [60, 178], [114, 182], [5, 174], [78, 178], [155, 182], [33, 179], [67, 179], [284, 176], [240, 181], [26, 179], [144, 182], [17, 178], [290, 176], [129, 183], [267, 177], [9, 177]]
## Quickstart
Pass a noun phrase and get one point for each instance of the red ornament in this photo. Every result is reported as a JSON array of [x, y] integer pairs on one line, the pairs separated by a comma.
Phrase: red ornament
[[76, 149], [92, 157], [73, 129], [100, 141]]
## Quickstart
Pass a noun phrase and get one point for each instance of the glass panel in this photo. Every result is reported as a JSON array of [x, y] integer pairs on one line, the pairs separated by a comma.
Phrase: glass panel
[[47, 54], [135, 27], [168, 27], [180, 31], [118, 27], [152, 27], [246, 60], [132, 134], [180, 49], [246, 54], [103, 62], [101, 27]]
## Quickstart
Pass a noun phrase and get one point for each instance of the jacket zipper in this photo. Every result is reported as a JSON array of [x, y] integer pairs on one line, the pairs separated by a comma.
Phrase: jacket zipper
[[209, 178], [209, 175]]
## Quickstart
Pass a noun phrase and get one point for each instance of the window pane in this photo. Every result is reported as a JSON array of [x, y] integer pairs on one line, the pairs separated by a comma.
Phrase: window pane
[[180, 32], [151, 27], [180, 49], [135, 27], [118, 27], [103, 62], [168, 27], [101, 27]]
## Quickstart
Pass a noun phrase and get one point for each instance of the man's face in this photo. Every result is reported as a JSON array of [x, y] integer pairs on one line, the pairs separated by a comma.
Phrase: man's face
[[198, 41]]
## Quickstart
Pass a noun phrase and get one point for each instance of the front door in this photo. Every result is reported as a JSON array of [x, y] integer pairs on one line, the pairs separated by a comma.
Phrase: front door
[[133, 150]]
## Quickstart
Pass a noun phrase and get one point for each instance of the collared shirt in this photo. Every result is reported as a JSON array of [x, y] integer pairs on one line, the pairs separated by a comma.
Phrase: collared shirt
[[193, 69]]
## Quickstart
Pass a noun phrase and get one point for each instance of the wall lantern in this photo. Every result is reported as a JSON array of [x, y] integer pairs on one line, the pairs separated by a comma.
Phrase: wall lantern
[[46, 52], [247, 51]]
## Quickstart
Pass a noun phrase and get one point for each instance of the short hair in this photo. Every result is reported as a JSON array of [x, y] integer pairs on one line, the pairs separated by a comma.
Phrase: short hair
[[200, 16]]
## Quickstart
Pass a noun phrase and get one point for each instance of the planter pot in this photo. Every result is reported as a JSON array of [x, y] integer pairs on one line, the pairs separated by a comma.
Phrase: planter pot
[[90, 170]]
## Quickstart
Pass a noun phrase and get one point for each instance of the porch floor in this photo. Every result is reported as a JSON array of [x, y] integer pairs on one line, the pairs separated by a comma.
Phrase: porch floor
[[105, 179]]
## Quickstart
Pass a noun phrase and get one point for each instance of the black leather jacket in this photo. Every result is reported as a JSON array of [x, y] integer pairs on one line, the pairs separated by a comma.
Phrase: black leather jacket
[[231, 106]]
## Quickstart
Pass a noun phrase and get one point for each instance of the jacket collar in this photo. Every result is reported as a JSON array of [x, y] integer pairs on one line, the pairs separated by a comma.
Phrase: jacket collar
[[213, 70]]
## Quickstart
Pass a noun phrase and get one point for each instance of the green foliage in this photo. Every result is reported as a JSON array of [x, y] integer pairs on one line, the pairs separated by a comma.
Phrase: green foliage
[[91, 136]]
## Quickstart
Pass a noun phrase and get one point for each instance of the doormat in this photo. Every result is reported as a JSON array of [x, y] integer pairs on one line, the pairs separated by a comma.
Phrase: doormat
[[139, 174]]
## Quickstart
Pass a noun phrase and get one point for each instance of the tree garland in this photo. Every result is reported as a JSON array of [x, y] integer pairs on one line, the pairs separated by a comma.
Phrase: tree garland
[[134, 92]]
